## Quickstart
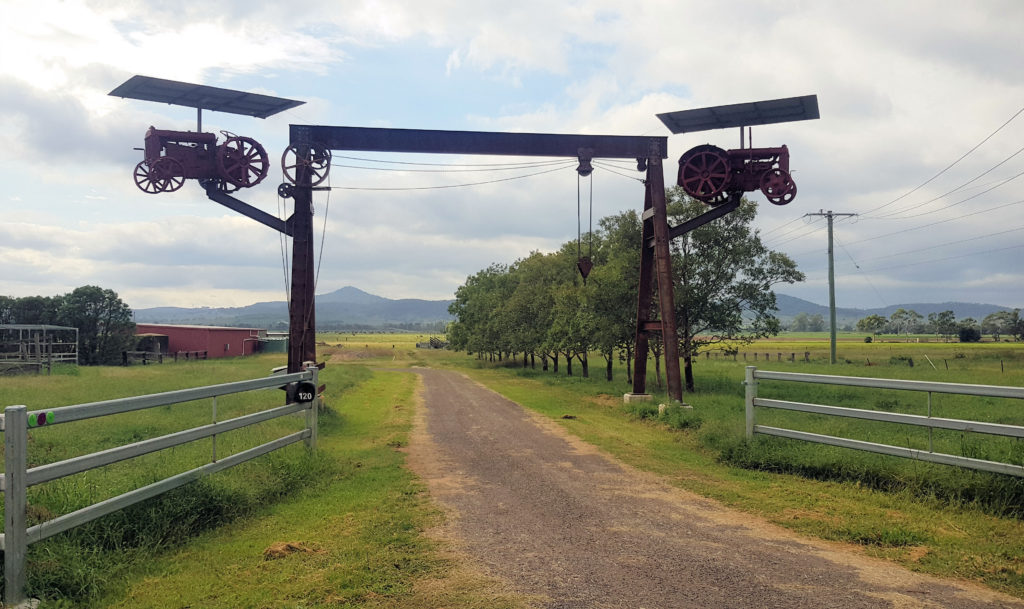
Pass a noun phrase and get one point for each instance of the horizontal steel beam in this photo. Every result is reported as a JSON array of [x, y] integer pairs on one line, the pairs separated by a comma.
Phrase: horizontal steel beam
[[896, 451], [1013, 431], [993, 391], [480, 142]]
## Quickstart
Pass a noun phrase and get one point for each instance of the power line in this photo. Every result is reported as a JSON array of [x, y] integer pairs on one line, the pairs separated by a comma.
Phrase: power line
[[946, 244], [992, 251], [865, 275], [776, 241], [893, 213], [781, 226], [387, 188], [950, 166], [907, 230], [974, 196], [610, 170]]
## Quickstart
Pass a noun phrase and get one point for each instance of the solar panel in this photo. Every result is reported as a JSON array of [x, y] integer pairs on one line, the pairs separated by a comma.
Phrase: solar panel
[[742, 115], [203, 97]]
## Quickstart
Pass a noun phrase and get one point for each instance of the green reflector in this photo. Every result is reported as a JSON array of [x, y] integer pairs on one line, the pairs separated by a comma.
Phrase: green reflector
[[49, 417], [31, 420]]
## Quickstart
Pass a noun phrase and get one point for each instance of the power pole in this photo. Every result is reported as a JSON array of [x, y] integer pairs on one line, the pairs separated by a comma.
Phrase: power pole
[[831, 283]]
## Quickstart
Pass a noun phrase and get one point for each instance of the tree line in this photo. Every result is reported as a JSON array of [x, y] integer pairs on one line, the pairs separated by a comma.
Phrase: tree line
[[945, 324], [104, 321], [540, 308]]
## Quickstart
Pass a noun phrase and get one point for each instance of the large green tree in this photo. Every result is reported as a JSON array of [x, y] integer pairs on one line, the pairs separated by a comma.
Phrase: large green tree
[[724, 276], [943, 323], [872, 323], [104, 322]]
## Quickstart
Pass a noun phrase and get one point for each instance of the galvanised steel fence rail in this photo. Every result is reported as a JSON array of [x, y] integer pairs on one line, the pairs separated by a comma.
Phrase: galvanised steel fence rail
[[753, 375], [16, 421]]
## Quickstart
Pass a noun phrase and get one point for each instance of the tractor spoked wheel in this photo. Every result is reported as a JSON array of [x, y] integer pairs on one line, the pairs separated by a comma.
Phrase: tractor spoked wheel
[[778, 186], [704, 172], [170, 172], [242, 161], [146, 180]]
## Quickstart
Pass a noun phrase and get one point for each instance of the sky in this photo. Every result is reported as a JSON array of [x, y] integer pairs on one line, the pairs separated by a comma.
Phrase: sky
[[920, 137]]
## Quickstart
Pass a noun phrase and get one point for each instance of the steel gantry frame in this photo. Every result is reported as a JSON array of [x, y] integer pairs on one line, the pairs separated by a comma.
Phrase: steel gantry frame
[[655, 261]]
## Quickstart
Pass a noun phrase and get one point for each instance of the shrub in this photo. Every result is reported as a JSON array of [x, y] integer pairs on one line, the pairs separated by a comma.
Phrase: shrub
[[970, 335]]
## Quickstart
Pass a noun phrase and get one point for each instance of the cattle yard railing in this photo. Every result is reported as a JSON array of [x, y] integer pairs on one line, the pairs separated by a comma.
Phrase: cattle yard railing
[[17, 420], [753, 375]]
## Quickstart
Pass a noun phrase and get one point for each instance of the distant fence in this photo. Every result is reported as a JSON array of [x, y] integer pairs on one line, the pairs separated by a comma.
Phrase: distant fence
[[753, 375], [17, 420], [141, 357]]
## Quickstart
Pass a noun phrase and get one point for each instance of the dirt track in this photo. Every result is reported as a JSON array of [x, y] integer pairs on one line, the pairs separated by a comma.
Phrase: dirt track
[[557, 519]]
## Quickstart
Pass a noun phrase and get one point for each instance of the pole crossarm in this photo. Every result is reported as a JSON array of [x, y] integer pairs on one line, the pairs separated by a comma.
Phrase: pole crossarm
[[479, 142]]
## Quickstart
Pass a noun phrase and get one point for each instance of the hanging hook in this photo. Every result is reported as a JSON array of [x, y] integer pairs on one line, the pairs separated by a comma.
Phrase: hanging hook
[[585, 155], [584, 264]]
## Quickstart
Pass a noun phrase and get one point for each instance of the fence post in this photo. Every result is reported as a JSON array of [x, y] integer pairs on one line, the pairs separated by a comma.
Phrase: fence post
[[15, 540], [751, 393], [314, 407]]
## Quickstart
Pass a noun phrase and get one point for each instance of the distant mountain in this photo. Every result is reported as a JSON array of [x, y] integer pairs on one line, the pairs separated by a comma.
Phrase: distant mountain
[[348, 308], [790, 306]]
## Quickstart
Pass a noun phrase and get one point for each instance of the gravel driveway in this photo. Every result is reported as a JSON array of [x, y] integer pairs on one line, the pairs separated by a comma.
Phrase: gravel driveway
[[560, 521]]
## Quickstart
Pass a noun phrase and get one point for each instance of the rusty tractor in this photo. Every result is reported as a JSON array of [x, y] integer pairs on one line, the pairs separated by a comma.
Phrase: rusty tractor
[[710, 174], [172, 156]]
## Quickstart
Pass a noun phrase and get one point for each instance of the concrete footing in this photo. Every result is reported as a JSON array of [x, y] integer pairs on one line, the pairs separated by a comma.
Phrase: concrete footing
[[632, 398]]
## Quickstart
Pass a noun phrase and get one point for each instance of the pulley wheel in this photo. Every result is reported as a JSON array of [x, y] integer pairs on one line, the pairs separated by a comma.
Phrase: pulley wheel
[[316, 160]]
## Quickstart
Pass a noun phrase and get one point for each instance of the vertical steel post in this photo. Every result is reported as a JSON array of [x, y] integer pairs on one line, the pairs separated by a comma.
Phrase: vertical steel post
[[655, 261], [663, 265], [645, 293], [314, 408], [15, 539], [751, 392], [302, 308]]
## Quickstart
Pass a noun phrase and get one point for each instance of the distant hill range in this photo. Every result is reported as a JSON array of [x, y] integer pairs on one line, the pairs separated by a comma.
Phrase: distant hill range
[[790, 306], [353, 309], [345, 309]]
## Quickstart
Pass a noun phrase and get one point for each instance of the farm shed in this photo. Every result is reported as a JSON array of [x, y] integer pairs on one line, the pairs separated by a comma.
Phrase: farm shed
[[215, 341], [28, 346]]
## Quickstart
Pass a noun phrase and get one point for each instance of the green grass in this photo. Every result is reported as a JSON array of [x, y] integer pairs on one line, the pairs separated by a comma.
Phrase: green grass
[[363, 517], [358, 515], [362, 530], [941, 520]]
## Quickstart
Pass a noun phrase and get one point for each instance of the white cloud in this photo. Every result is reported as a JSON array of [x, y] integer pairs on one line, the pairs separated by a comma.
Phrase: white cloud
[[904, 90]]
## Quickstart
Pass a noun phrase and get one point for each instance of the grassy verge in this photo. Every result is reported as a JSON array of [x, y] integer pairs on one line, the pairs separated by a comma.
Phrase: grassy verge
[[950, 537], [355, 539], [353, 516]]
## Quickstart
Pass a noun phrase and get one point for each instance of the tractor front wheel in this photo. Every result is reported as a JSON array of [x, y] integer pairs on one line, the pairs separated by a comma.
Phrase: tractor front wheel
[[242, 161]]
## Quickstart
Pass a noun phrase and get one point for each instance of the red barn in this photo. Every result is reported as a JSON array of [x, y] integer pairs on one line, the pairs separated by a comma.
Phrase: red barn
[[215, 341]]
